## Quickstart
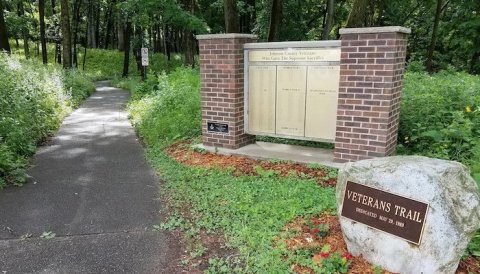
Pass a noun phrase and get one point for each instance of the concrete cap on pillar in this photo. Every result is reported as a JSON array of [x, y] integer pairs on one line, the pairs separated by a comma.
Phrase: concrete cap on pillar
[[375, 30], [226, 36]]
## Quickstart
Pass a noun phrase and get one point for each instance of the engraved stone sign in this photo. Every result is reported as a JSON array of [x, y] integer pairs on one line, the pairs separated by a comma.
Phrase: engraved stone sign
[[292, 89], [394, 214], [384, 216]]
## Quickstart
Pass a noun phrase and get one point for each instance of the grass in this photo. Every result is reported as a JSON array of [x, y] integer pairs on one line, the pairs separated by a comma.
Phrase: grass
[[250, 210]]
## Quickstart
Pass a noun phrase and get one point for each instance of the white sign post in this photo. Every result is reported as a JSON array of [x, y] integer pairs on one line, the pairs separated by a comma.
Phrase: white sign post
[[144, 61], [144, 57]]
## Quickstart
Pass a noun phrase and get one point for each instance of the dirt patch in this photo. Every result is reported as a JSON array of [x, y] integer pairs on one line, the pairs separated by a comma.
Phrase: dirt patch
[[301, 233], [183, 153]]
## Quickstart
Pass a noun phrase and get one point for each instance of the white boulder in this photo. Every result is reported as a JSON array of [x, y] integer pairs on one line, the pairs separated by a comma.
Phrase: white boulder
[[452, 219]]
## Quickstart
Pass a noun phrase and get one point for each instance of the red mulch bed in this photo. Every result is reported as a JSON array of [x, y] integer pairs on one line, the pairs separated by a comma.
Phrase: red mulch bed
[[182, 153]]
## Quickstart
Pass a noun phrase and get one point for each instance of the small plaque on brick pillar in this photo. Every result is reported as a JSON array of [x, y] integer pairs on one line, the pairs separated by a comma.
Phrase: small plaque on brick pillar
[[215, 127]]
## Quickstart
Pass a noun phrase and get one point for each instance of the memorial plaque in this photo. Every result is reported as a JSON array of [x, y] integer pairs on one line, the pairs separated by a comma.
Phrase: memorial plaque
[[261, 103], [217, 127], [322, 101], [391, 213], [293, 91], [294, 55], [290, 110]]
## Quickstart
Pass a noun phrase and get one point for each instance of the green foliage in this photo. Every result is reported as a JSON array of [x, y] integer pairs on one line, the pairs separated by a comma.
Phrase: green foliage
[[107, 64], [223, 266], [47, 235], [474, 245], [335, 263], [33, 101], [167, 107], [440, 117]]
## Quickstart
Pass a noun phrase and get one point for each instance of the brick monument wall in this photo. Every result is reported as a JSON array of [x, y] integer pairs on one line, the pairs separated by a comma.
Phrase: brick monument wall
[[222, 80], [371, 73]]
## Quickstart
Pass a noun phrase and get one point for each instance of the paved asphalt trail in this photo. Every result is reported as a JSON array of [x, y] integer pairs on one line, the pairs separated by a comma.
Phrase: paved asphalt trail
[[92, 187]]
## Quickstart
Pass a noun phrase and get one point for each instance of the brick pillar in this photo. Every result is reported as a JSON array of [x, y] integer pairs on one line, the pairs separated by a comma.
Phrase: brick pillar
[[371, 73], [221, 71]]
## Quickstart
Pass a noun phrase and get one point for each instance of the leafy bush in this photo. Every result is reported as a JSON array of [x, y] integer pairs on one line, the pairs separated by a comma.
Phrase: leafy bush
[[440, 117], [167, 107], [33, 101], [105, 64]]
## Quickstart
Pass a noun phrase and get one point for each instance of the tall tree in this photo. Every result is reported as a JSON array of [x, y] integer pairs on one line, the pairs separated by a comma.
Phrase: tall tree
[[189, 42], [91, 19], [43, 41], [231, 17], [433, 40], [66, 37], [275, 20], [4, 45], [25, 34], [120, 32], [126, 58], [76, 22], [58, 46], [329, 20], [109, 23], [358, 15]]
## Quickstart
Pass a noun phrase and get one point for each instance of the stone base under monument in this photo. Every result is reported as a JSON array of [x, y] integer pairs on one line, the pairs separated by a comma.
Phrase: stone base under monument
[[264, 151]]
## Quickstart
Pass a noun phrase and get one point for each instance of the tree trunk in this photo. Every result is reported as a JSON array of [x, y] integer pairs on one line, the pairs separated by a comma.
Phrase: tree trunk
[[76, 13], [91, 41], [58, 47], [85, 46], [474, 67], [329, 20], [108, 21], [165, 42], [21, 13], [97, 24], [120, 32], [4, 45], [136, 49], [43, 41], [189, 48], [358, 15], [126, 58], [433, 41], [231, 17], [66, 37], [275, 19]]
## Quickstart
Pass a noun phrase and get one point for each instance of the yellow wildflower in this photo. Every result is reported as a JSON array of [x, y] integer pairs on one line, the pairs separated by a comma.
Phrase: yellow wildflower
[[468, 109]]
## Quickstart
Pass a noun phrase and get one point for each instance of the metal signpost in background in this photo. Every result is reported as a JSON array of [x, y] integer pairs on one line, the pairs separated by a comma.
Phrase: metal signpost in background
[[144, 61]]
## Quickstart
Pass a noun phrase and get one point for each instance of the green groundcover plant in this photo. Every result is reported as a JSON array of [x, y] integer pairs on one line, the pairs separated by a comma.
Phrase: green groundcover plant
[[33, 101]]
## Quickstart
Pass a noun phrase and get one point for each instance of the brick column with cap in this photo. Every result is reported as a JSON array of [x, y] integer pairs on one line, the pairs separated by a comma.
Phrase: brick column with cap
[[222, 89], [371, 74]]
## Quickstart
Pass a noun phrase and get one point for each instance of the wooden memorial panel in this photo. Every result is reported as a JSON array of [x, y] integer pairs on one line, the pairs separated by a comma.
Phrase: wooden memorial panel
[[290, 110], [322, 101], [261, 103]]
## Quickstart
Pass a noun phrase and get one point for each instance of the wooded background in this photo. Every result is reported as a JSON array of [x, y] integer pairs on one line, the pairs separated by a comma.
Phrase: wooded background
[[445, 33]]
